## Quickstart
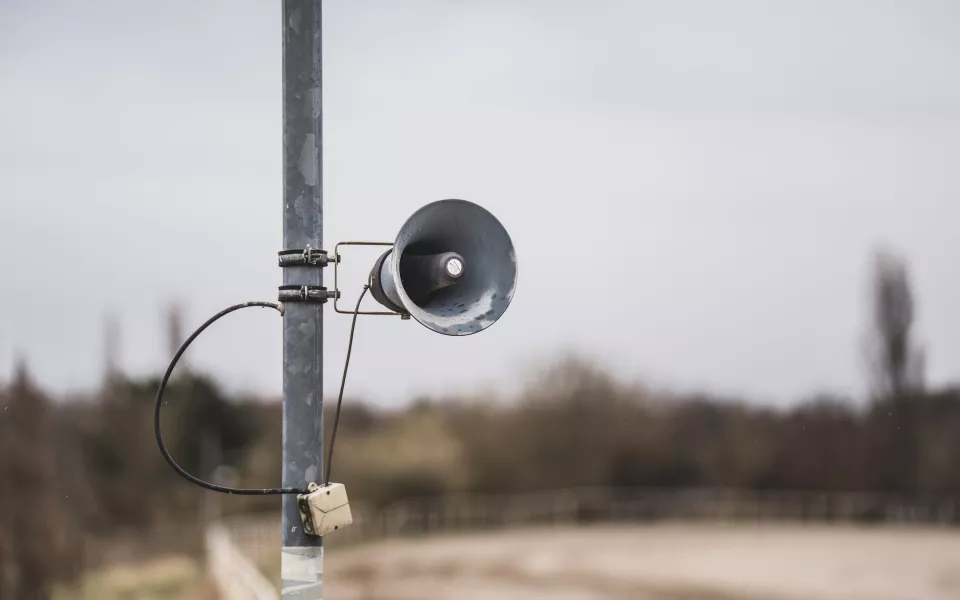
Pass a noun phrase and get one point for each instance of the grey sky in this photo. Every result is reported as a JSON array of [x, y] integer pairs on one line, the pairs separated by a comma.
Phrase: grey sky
[[694, 187]]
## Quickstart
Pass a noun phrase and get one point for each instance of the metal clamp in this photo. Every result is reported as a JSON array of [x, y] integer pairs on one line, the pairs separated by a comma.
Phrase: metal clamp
[[317, 294], [336, 261], [304, 257]]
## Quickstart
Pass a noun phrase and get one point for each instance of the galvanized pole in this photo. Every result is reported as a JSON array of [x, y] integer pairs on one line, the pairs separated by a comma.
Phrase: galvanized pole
[[301, 567]]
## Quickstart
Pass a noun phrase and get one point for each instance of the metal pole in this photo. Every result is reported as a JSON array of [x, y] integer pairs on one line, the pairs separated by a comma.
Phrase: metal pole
[[301, 566]]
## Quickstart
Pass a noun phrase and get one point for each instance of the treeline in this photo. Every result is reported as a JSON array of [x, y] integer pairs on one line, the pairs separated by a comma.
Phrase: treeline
[[581, 428], [76, 472], [73, 474]]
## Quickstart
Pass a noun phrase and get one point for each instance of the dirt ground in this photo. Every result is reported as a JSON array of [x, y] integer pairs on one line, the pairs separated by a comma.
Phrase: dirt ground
[[668, 562]]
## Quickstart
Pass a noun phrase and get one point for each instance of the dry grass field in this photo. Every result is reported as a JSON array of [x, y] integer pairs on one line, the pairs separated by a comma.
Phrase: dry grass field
[[166, 578], [666, 562]]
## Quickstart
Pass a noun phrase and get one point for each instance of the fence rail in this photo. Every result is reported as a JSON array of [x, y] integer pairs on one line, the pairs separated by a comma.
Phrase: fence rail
[[232, 571]]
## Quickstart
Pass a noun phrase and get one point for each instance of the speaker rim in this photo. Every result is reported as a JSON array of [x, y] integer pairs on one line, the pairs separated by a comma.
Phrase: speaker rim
[[394, 259]]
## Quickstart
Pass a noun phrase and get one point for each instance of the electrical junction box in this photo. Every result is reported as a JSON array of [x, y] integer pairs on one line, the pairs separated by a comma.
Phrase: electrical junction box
[[324, 509]]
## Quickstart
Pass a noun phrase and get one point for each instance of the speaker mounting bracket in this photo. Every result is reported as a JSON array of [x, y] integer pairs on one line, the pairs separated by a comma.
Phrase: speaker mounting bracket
[[335, 259], [304, 257], [316, 294]]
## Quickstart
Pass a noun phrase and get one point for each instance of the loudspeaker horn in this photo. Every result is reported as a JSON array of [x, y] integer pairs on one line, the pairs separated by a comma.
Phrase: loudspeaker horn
[[452, 267]]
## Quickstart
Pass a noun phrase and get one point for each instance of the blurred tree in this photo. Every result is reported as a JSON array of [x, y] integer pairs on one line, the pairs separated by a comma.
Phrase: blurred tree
[[33, 526], [571, 419], [199, 409], [133, 485], [819, 446], [897, 376], [939, 447], [896, 363]]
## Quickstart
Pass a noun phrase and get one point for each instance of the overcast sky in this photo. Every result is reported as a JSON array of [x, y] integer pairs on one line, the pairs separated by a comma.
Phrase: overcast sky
[[694, 187]]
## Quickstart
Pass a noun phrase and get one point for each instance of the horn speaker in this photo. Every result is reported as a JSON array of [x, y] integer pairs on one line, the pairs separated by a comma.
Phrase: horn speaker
[[452, 267]]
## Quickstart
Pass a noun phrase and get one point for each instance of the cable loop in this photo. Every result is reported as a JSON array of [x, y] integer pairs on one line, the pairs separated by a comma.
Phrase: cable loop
[[159, 404], [173, 363]]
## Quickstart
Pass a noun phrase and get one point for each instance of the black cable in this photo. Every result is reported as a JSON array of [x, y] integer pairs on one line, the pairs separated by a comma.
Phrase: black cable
[[343, 381], [159, 403]]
